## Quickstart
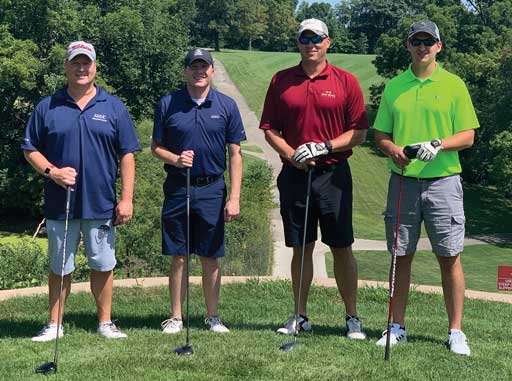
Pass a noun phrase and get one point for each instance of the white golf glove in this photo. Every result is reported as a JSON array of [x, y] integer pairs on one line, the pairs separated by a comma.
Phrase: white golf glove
[[309, 151], [429, 150]]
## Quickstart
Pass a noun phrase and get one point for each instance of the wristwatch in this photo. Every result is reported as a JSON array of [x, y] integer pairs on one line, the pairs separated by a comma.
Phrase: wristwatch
[[328, 145], [47, 171]]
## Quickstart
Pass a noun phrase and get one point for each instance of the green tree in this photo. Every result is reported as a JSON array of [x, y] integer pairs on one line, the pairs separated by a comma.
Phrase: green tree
[[281, 26], [250, 20]]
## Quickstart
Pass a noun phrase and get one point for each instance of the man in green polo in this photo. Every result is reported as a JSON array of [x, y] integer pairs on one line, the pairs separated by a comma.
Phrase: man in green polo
[[431, 108]]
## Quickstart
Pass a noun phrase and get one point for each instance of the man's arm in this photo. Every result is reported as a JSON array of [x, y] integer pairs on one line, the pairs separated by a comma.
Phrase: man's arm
[[348, 140], [277, 142], [124, 209], [62, 176], [232, 209], [183, 160], [459, 141], [386, 145]]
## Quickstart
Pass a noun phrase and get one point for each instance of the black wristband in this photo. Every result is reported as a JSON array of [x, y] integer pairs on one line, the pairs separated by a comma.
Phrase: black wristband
[[328, 145]]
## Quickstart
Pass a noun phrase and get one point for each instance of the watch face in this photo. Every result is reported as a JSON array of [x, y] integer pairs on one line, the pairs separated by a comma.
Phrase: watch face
[[47, 170]]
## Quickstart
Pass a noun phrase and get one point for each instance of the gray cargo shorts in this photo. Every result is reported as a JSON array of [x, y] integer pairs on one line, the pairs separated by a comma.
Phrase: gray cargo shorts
[[436, 202]]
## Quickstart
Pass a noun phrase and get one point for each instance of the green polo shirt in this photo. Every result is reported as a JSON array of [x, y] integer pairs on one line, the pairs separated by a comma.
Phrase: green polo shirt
[[413, 111]]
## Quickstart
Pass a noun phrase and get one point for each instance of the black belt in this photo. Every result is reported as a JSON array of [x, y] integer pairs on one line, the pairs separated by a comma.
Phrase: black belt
[[424, 179], [201, 181]]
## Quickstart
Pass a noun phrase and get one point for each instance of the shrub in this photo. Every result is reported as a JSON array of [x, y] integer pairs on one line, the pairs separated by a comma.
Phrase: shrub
[[23, 264]]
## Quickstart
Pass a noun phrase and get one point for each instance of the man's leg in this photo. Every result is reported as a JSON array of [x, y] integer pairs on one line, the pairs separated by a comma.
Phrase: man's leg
[[211, 284], [345, 272], [102, 283], [307, 276], [402, 283], [177, 285], [453, 289], [54, 292]]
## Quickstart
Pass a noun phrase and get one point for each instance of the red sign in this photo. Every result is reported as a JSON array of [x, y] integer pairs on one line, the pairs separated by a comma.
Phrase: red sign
[[505, 278]]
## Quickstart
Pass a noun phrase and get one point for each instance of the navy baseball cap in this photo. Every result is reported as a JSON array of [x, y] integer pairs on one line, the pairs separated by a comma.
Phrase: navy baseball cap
[[425, 26], [198, 54]]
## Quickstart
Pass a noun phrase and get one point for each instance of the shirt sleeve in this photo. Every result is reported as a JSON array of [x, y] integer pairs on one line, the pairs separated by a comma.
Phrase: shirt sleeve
[[34, 133], [127, 137], [269, 115], [384, 119], [463, 115], [356, 111], [235, 130]]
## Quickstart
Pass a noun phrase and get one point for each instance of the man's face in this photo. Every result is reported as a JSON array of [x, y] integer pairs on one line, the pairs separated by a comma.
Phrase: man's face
[[422, 53], [80, 71], [199, 74], [311, 52]]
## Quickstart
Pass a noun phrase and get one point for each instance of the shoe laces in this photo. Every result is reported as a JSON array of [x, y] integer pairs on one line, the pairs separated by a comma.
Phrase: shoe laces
[[48, 328], [111, 326], [213, 320], [354, 324], [457, 338], [173, 322]]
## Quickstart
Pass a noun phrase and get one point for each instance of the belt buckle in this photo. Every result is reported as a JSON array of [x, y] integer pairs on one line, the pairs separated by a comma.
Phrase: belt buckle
[[201, 181]]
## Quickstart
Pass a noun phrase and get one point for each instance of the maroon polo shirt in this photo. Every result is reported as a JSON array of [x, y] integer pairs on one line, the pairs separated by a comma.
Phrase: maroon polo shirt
[[315, 109]]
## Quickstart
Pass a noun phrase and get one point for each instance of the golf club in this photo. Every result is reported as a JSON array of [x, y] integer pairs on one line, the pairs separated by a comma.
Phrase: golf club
[[290, 345], [52, 365], [412, 150], [387, 351], [187, 348]]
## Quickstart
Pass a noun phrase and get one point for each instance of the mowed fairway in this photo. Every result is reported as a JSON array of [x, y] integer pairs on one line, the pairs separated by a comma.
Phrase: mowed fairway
[[250, 351]]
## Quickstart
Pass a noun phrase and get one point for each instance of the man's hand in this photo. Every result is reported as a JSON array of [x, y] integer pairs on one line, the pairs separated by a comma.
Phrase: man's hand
[[309, 151], [124, 212], [231, 210], [429, 150], [185, 159], [63, 176]]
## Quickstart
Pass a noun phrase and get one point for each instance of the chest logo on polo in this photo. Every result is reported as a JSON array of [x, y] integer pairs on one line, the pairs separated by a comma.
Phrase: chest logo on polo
[[328, 94], [100, 117]]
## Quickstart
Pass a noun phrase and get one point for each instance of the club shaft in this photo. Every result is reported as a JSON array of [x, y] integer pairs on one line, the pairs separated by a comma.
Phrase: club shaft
[[387, 352], [188, 258]]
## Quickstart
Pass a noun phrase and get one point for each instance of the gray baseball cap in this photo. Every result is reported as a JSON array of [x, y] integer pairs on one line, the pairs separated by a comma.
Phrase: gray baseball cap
[[316, 26], [80, 47], [425, 26], [198, 54]]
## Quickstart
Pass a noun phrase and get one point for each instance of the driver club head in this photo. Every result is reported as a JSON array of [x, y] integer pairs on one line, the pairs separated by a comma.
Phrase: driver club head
[[411, 150], [184, 351], [47, 367]]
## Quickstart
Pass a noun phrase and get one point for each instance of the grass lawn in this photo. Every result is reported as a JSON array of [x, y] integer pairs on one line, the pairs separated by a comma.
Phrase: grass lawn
[[480, 265], [250, 351]]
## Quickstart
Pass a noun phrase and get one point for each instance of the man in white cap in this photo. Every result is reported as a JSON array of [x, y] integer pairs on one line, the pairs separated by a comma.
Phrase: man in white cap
[[77, 138], [431, 109], [314, 114]]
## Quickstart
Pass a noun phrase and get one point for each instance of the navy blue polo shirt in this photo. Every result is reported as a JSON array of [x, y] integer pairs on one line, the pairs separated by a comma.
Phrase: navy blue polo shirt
[[180, 124], [89, 140]]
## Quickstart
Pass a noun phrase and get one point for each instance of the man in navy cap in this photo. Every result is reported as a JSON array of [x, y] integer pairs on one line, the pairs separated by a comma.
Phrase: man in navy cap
[[192, 128], [77, 138]]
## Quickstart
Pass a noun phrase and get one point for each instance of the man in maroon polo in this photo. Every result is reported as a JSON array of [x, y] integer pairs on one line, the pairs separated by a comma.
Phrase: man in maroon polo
[[313, 115]]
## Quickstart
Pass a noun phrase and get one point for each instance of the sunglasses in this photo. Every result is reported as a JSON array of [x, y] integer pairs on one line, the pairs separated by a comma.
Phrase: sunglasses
[[427, 42], [316, 39]]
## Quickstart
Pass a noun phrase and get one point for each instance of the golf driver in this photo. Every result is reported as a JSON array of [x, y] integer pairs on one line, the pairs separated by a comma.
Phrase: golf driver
[[187, 348], [290, 345], [410, 152], [52, 366]]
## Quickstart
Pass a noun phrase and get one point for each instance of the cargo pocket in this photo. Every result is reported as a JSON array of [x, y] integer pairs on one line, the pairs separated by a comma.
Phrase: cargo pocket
[[457, 233]]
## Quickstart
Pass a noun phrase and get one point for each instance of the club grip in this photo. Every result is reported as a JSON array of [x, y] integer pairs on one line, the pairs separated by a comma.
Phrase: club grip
[[411, 150]]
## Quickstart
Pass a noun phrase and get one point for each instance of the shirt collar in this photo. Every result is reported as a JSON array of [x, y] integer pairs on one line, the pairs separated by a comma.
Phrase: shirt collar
[[188, 98], [323, 74], [435, 76], [63, 95]]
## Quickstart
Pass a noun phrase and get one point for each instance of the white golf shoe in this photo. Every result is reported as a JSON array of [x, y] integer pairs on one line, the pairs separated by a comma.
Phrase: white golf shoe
[[215, 324], [398, 336], [457, 342], [354, 328], [172, 325], [49, 333], [289, 327], [110, 331]]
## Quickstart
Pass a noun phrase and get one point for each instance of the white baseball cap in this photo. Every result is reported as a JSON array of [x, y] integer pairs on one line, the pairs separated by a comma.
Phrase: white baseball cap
[[316, 26], [80, 47]]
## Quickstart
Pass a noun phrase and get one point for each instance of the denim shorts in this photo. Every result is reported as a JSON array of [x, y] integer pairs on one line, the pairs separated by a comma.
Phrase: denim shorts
[[438, 203], [99, 241]]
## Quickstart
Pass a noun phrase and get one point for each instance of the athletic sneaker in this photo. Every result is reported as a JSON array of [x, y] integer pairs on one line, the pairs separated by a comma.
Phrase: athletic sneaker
[[289, 327], [457, 342], [215, 324], [172, 325], [398, 336], [49, 333], [354, 328], [110, 331]]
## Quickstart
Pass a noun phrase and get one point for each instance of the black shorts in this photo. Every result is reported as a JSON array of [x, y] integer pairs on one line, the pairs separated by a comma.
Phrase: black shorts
[[330, 204]]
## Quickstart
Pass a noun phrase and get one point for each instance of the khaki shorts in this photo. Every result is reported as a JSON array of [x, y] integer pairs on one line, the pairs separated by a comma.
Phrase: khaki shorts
[[438, 203]]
